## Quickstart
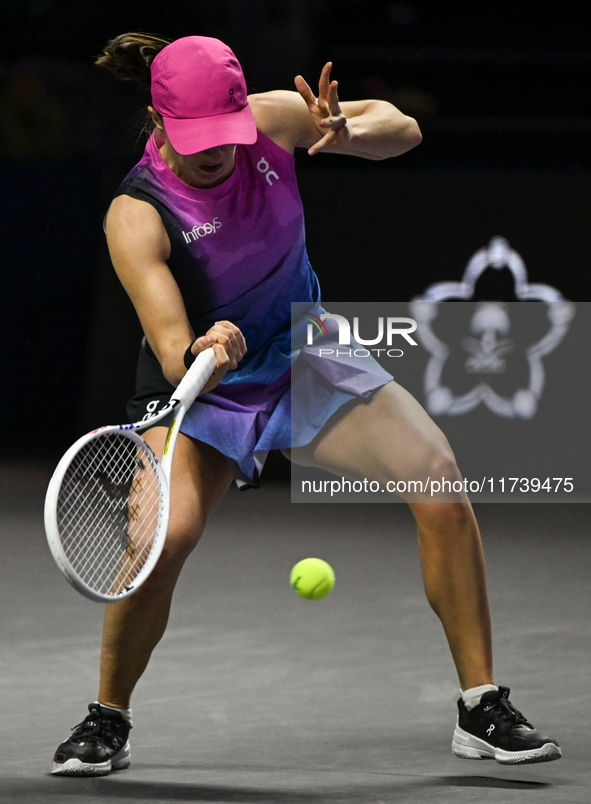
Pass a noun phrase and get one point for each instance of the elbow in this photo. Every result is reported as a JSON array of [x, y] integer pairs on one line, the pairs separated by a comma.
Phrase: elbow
[[407, 137], [413, 134], [172, 364]]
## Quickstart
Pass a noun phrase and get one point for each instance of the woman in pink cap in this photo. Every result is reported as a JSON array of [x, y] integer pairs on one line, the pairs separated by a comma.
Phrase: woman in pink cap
[[206, 234]]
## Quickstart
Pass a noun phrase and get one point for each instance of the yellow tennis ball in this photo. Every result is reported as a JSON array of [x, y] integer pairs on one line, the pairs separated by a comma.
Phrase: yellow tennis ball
[[312, 578]]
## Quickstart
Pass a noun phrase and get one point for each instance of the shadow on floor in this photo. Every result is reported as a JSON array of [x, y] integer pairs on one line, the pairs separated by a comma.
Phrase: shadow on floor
[[116, 788]]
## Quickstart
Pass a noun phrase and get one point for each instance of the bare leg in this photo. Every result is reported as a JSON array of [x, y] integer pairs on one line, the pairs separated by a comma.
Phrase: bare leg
[[455, 584], [133, 627], [391, 437]]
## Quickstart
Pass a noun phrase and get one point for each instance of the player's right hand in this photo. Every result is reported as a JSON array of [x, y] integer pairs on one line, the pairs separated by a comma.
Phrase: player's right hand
[[229, 345]]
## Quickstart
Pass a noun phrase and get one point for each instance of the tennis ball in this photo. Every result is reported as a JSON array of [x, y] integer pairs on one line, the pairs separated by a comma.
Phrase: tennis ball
[[312, 578]]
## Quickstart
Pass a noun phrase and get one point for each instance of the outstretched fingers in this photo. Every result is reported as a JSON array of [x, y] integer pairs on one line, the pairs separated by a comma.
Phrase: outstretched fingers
[[324, 88], [305, 91], [328, 138], [325, 110]]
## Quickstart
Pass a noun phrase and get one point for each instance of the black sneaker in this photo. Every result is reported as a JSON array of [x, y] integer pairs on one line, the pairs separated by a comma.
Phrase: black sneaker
[[97, 746], [494, 729]]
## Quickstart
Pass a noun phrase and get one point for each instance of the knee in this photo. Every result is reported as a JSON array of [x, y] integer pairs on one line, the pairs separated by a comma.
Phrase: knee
[[181, 540], [443, 519], [435, 473], [440, 460]]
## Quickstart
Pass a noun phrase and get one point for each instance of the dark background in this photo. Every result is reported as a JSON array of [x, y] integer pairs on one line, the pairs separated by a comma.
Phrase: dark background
[[501, 92]]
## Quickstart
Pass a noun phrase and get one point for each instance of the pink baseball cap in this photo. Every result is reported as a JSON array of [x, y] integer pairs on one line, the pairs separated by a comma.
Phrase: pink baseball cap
[[199, 89]]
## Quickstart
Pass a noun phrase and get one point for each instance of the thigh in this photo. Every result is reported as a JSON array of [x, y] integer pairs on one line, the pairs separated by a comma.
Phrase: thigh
[[387, 437], [200, 478]]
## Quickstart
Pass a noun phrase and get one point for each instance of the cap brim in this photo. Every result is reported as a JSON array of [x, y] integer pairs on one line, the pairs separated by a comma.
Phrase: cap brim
[[189, 136]]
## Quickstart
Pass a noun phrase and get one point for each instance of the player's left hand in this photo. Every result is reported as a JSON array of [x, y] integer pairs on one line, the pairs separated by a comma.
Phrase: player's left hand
[[325, 111]]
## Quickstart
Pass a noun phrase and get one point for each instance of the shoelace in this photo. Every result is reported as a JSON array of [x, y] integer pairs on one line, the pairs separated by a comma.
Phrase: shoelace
[[92, 726], [507, 711]]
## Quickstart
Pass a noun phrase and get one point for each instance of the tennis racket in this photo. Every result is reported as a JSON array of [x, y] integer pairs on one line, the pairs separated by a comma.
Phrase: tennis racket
[[108, 503]]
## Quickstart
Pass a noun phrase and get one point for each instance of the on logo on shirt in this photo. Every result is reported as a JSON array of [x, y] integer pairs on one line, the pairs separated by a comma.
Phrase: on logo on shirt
[[263, 167]]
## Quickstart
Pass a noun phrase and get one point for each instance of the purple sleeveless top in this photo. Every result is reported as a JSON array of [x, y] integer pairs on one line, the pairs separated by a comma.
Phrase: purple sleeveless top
[[237, 250], [238, 253]]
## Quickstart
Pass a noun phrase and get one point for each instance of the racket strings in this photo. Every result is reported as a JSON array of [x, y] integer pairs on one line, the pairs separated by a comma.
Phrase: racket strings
[[108, 511]]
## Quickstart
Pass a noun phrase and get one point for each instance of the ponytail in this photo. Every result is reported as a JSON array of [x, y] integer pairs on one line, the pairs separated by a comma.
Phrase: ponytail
[[130, 55]]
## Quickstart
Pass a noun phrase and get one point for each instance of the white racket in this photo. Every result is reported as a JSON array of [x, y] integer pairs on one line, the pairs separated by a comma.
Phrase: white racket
[[108, 502]]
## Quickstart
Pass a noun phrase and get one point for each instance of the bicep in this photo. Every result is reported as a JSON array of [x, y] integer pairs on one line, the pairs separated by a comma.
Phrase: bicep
[[139, 248], [284, 117]]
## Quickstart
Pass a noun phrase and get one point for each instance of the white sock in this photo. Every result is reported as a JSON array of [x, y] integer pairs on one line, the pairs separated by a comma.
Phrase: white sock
[[125, 713], [472, 696]]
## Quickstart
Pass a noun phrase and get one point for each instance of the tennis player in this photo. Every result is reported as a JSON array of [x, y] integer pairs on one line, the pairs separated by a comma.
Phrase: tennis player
[[206, 234]]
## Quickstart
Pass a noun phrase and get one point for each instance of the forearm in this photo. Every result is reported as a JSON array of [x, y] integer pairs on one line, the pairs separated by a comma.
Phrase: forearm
[[379, 132], [174, 369], [373, 129], [172, 363]]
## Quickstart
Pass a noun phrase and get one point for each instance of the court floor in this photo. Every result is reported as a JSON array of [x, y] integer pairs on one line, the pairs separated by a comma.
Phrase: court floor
[[258, 696]]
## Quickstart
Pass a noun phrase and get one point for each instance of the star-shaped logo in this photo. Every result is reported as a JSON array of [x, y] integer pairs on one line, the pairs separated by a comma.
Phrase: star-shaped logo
[[489, 343]]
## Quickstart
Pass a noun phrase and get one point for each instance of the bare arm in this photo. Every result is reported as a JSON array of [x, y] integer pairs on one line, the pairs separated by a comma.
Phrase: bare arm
[[139, 248], [372, 129]]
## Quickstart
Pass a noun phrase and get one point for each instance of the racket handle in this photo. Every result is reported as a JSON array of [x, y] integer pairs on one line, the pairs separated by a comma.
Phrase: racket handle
[[196, 377]]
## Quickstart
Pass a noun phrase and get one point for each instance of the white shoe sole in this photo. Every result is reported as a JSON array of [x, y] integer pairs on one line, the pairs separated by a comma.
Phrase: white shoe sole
[[466, 746], [75, 767]]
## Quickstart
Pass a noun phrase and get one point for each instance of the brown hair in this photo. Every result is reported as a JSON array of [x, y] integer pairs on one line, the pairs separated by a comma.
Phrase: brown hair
[[130, 55]]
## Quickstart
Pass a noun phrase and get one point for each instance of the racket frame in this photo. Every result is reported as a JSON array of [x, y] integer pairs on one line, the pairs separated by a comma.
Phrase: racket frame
[[183, 397]]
